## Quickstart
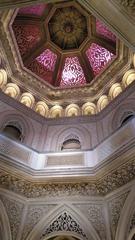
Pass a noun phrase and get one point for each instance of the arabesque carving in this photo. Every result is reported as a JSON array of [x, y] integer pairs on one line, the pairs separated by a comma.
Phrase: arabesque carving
[[112, 181], [64, 223]]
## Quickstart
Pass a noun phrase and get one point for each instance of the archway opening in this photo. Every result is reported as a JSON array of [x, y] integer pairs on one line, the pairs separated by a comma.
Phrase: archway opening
[[71, 144], [12, 132], [127, 118]]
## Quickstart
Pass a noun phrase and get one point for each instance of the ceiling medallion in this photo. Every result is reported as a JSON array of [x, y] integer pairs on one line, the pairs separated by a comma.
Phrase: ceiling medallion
[[68, 28]]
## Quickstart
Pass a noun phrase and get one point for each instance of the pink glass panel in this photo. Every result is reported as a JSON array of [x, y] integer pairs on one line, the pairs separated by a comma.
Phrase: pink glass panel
[[27, 36], [98, 57], [47, 59], [44, 65], [72, 74], [104, 31], [33, 10]]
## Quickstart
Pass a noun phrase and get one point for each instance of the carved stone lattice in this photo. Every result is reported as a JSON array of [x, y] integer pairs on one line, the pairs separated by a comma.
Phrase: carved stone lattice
[[34, 215], [95, 215], [63, 223], [115, 207], [14, 211]]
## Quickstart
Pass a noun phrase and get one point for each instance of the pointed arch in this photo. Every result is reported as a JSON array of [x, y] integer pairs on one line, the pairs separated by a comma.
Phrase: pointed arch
[[4, 223], [86, 230], [120, 114], [9, 117], [81, 132]]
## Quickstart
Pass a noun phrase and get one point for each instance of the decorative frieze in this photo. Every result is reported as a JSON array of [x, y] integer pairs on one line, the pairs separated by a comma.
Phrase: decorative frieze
[[108, 183]]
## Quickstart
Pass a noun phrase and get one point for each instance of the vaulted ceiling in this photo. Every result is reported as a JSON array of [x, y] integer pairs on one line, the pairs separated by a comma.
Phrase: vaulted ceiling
[[62, 43]]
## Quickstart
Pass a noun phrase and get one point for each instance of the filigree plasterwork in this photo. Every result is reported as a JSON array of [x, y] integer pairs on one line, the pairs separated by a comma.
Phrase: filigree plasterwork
[[115, 208], [64, 222], [94, 213], [14, 211], [34, 215], [108, 183]]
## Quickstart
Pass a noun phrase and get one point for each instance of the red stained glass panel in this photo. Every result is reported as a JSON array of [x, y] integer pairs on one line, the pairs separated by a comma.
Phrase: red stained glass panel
[[72, 74], [47, 59], [44, 65], [98, 57], [103, 30], [27, 36], [37, 10]]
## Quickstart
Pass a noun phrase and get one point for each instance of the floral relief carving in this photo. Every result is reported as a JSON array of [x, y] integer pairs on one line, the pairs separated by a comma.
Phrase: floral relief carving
[[108, 183], [14, 211], [63, 223], [115, 207], [95, 215], [34, 215]]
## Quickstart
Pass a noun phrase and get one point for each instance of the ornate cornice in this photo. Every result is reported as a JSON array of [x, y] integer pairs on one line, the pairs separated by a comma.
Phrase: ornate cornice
[[81, 119], [117, 178]]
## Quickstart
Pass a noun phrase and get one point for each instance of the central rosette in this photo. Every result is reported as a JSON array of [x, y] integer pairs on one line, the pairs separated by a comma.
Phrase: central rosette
[[68, 28]]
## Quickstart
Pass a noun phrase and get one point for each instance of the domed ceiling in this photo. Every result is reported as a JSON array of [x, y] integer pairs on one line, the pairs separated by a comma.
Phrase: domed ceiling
[[62, 44]]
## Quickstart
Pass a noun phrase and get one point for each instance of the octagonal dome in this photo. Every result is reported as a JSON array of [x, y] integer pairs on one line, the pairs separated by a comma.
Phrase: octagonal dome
[[68, 28], [62, 44]]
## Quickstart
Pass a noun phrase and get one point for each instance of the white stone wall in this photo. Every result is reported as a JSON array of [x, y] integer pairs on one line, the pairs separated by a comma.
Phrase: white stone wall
[[48, 134]]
